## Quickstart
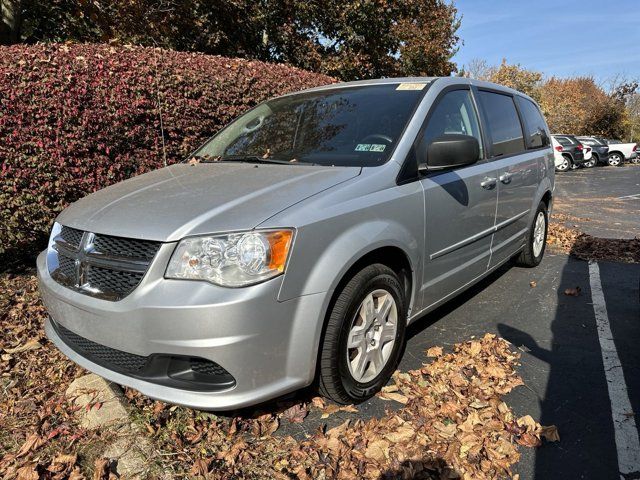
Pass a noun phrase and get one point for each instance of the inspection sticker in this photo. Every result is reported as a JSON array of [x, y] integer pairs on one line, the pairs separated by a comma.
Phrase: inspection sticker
[[411, 86], [370, 147]]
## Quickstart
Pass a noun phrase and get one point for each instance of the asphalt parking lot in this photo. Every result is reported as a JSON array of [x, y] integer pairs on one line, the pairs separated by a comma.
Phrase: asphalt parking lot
[[577, 375], [607, 197]]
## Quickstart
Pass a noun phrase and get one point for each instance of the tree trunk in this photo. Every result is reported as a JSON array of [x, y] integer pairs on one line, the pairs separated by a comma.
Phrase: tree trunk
[[10, 24]]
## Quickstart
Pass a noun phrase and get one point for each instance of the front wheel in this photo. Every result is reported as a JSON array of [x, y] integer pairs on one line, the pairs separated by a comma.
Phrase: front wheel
[[635, 161], [533, 251], [615, 160], [364, 337]]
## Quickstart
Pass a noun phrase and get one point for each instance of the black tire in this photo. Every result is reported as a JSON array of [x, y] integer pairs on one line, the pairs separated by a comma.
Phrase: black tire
[[335, 379], [528, 257], [615, 159], [590, 163]]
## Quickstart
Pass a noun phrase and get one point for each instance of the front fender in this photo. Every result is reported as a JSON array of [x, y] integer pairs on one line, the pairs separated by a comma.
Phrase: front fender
[[339, 254]]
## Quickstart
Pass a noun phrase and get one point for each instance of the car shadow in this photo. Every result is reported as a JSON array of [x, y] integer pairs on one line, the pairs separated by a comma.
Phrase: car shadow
[[575, 395]]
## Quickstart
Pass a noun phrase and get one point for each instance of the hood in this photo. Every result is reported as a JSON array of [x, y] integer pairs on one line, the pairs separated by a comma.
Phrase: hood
[[180, 200]]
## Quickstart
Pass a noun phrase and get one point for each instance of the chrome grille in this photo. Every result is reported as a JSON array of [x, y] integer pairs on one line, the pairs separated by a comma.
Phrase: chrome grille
[[101, 266]]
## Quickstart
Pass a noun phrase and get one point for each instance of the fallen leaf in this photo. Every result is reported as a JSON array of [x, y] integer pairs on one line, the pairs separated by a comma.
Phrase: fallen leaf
[[377, 450], [396, 397], [200, 467], [30, 345], [402, 434], [28, 472], [550, 433], [573, 292], [295, 413], [528, 440], [32, 442], [101, 469], [434, 352], [533, 284], [334, 408]]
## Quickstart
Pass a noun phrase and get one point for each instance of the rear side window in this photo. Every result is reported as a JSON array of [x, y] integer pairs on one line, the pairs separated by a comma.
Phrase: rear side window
[[503, 122], [564, 141], [534, 124], [589, 141]]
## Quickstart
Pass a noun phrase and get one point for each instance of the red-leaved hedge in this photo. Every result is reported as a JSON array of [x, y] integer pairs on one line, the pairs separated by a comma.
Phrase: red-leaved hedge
[[76, 118]]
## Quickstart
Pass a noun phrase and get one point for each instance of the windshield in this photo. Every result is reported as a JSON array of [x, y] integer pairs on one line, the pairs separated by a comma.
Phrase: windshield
[[353, 126]]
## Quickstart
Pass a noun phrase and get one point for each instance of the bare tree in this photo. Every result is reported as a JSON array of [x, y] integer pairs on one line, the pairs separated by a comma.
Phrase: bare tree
[[478, 69]]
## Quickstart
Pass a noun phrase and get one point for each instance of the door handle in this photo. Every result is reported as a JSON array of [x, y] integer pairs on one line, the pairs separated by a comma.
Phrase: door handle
[[488, 183], [506, 177]]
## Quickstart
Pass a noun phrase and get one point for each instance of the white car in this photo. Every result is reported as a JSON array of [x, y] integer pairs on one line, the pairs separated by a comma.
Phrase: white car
[[619, 152], [561, 162], [588, 157]]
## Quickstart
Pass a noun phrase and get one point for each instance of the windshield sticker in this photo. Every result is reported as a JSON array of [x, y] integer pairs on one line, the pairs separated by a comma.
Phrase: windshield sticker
[[411, 86], [370, 147]]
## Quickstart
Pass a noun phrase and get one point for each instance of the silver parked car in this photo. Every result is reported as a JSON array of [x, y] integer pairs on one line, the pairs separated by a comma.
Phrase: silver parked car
[[298, 243]]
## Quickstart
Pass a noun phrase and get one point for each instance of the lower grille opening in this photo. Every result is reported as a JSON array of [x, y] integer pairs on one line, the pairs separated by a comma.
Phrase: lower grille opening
[[183, 372]]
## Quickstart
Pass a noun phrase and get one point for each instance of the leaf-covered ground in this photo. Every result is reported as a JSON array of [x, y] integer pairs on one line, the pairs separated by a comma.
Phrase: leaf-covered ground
[[452, 422], [564, 236]]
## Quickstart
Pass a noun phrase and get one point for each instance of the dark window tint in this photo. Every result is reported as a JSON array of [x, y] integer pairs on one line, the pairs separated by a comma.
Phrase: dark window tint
[[352, 126], [454, 114], [504, 123], [589, 141], [564, 141], [534, 124]]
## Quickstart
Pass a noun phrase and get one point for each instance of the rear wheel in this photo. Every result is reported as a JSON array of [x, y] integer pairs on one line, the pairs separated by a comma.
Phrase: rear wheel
[[615, 159], [635, 160], [364, 336], [590, 163], [533, 251], [564, 165]]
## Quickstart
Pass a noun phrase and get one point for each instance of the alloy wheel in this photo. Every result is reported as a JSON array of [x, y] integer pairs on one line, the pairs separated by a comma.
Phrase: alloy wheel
[[564, 166], [615, 160], [372, 335], [538, 234]]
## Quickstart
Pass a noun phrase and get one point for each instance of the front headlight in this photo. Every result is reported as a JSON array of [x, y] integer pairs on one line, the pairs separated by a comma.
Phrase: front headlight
[[232, 260]]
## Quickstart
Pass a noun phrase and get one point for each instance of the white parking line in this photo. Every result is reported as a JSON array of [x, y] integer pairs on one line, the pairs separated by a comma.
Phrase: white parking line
[[624, 424], [635, 196]]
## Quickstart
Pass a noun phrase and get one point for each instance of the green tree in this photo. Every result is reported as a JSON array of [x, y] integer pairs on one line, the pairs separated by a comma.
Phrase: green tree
[[348, 39]]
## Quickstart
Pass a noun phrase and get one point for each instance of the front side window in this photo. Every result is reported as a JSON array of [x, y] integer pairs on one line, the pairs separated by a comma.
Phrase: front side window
[[503, 122], [355, 126], [454, 114], [534, 123]]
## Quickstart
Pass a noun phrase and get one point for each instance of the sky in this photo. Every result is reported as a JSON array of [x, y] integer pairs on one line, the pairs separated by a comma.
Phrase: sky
[[599, 38]]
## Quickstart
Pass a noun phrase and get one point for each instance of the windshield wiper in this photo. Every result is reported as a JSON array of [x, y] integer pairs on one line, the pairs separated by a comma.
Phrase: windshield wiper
[[253, 159], [243, 158]]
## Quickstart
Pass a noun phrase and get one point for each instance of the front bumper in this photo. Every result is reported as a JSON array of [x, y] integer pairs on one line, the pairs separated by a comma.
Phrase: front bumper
[[268, 347]]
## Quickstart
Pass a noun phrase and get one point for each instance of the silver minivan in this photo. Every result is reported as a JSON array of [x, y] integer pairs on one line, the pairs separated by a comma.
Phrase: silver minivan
[[296, 245]]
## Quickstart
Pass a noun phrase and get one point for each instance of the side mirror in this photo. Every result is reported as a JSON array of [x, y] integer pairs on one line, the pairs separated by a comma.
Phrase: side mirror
[[450, 151]]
